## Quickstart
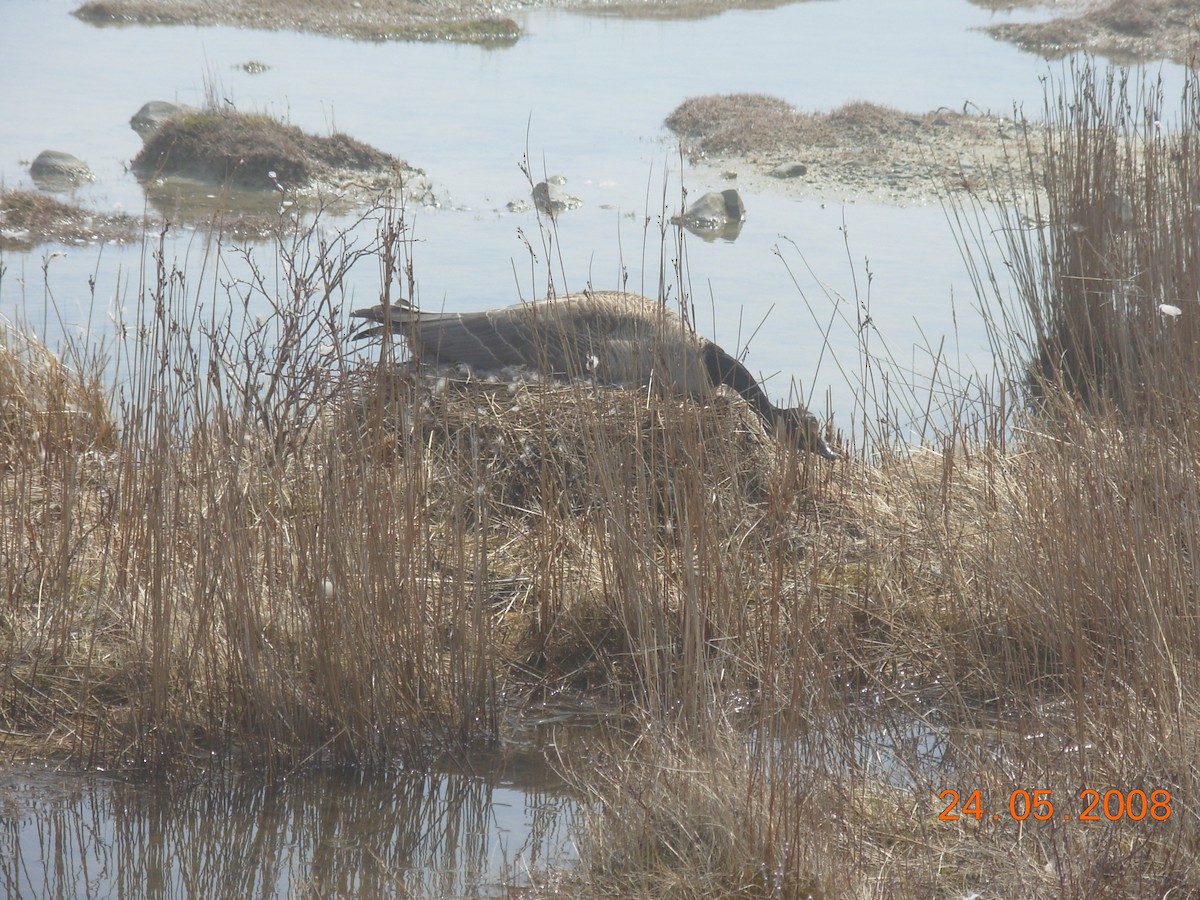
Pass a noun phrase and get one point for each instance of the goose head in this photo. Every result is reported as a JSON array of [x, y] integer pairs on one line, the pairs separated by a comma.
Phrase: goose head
[[802, 428]]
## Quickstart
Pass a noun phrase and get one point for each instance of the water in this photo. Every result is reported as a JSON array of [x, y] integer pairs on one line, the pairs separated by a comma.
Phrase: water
[[319, 834], [589, 93]]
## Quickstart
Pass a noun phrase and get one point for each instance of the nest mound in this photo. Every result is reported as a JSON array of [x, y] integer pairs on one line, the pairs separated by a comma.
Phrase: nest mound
[[532, 445]]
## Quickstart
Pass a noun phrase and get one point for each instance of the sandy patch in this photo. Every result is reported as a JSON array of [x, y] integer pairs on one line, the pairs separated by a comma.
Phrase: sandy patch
[[860, 150]]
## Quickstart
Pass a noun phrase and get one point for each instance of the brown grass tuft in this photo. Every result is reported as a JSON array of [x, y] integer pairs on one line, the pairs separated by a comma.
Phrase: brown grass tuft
[[242, 149], [47, 408]]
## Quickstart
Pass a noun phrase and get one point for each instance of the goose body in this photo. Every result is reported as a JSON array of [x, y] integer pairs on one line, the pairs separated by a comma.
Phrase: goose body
[[614, 337]]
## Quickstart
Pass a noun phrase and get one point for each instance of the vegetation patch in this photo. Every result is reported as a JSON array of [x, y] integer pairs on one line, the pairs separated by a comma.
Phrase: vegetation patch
[[489, 31], [1123, 30], [255, 152], [28, 218], [461, 21]]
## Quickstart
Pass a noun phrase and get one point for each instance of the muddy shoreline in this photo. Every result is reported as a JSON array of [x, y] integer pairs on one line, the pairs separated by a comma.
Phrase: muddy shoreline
[[463, 21], [1122, 30]]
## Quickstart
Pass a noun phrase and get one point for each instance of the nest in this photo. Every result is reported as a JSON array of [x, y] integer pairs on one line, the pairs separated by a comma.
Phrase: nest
[[529, 446]]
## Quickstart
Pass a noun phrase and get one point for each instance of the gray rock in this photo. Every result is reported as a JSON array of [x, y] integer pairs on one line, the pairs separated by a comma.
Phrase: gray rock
[[716, 209], [147, 119], [789, 170], [716, 214], [55, 170], [551, 198]]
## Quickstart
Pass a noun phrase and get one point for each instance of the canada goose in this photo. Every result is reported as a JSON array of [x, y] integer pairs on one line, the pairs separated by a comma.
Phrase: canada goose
[[612, 336]]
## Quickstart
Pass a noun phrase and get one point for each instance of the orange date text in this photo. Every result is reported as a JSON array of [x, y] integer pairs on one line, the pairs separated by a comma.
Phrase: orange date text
[[1090, 806]]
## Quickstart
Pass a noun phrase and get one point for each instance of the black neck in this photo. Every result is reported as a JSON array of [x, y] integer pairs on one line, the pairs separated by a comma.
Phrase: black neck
[[724, 369]]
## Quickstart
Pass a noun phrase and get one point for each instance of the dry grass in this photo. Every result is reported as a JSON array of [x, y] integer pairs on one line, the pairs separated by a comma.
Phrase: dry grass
[[1005, 623], [283, 556], [1016, 613], [1105, 256], [49, 410]]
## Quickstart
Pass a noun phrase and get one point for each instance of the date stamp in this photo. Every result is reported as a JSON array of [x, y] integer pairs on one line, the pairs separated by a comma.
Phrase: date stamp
[[1090, 806]]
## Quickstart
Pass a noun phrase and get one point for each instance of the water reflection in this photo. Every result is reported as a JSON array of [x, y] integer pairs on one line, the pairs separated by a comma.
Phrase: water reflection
[[179, 199], [903, 751], [320, 834]]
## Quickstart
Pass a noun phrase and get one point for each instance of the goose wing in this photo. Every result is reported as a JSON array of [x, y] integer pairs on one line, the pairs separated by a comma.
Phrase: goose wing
[[549, 336], [493, 339], [613, 336]]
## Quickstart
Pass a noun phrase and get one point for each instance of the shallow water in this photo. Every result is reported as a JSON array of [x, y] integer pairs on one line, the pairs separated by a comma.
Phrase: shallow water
[[318, 834]]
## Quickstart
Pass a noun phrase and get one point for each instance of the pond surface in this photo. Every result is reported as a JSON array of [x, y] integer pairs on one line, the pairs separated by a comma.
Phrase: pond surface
[[584, 96], [317, 834]]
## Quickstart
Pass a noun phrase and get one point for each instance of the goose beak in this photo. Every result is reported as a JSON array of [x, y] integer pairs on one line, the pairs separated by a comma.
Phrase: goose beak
[[366, 331], [823, 450], [374, 324], [806, 431]]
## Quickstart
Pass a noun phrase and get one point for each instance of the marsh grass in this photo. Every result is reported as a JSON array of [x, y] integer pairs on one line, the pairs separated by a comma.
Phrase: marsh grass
[[273, 551], [1104, 253], [32, 217]]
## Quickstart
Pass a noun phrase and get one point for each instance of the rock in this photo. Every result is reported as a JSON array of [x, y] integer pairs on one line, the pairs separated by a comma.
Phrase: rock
[[148, 119], [789, 170], [716, 209], [716, 214], [55, 170], [551, 198]]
